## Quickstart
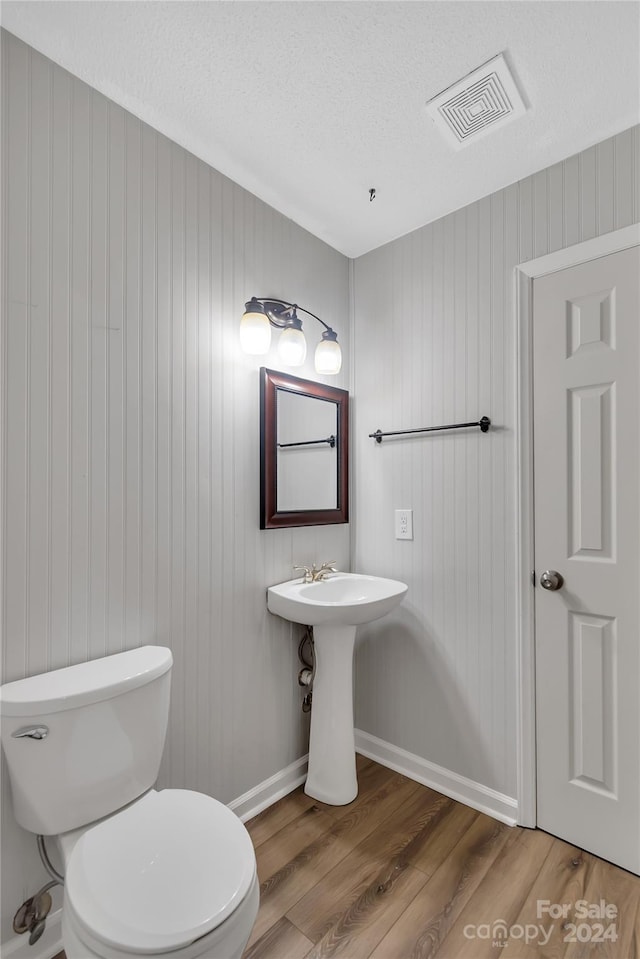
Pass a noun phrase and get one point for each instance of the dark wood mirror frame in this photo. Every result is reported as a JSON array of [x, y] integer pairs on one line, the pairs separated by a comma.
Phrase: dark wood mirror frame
[[270, 518]]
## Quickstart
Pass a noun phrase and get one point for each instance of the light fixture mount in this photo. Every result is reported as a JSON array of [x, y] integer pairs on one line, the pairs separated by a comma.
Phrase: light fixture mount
[[280, 313]]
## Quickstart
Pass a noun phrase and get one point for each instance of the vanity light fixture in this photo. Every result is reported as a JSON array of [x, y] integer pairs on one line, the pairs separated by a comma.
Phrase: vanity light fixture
[[261, 313]]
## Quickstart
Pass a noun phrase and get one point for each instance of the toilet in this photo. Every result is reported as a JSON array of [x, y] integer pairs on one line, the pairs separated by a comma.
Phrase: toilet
[[146, 872]]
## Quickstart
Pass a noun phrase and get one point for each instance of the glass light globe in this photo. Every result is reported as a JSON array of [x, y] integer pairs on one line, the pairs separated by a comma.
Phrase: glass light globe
[[292, 347], [328, 357], [255, 332]]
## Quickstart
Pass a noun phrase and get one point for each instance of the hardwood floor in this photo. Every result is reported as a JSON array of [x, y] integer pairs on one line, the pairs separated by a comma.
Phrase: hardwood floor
[[405, 873]]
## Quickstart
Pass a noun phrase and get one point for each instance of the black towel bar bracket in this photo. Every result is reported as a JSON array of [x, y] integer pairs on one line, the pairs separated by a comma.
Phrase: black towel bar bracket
[[484, 423]]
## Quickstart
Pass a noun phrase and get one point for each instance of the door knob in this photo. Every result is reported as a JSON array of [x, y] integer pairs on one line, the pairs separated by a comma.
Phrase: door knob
[[551, 579]]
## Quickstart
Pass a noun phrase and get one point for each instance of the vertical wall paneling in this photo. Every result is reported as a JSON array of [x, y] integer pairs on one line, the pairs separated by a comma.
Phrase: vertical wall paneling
[[588, 180], [38, 370], [16, 82], [624, 179], [131, 430], [606, 185], [434, 316], [59, 451], [570, 199], [80, 375], [555, 194]]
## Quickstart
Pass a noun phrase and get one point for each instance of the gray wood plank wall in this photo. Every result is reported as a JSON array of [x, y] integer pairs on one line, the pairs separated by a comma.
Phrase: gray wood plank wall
[[131, 442], [434, 342]]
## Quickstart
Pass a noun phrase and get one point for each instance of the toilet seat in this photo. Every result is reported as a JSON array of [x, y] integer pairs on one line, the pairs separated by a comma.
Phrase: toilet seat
[[161, 873]]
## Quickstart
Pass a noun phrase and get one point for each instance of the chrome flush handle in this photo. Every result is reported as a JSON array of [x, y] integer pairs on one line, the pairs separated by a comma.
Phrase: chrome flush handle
[[31, 732]]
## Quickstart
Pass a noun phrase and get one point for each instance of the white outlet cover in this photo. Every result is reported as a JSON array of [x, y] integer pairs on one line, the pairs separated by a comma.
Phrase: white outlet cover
[[404, 523]]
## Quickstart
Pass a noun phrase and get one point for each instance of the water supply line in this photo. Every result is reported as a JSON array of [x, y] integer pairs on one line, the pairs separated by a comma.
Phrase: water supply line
[[32, 915], [46, 862], [308, 671]]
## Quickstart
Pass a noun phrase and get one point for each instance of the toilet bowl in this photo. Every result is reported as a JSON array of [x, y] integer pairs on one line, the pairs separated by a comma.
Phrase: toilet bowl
[[146, 872], [173, 872], [226, 941]]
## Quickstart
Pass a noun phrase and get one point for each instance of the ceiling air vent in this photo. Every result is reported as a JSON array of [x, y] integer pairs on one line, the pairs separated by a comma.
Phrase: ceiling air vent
[[480, 103]]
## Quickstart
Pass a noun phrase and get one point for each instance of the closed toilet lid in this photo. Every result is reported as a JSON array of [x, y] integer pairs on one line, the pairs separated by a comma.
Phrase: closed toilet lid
[[161, 873]]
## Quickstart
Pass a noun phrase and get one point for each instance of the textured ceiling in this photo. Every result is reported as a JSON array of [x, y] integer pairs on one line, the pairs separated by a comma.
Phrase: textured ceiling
[[309, 104]]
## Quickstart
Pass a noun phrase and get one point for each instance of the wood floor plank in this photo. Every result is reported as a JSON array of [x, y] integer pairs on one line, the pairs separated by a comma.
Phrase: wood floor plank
[[267, 823], [419, 814], [298, 874], [434, 842], [620, 889], [500, 896], [372, 811], [437, 827], [365, 921], [281, 941], [283, 847], [563, 878], [371, 777], [424, 925], [363, 761], [282, 812], [634, 942], [326, 902]]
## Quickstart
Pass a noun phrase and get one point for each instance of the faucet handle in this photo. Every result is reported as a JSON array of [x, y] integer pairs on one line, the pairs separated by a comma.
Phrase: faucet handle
[[325, 568], [308, 575]]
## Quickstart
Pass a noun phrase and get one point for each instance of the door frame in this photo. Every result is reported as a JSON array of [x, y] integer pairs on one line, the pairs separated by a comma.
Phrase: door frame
[[524, 275]]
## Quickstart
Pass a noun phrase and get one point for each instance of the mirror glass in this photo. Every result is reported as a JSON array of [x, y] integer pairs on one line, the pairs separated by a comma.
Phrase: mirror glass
[[307, 453], [304, 452]]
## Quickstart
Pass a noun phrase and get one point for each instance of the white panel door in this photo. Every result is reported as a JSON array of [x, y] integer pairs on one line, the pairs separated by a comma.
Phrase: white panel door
[[587, 528]]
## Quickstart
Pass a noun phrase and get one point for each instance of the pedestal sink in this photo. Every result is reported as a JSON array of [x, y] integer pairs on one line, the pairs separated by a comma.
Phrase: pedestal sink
[[334, 606]]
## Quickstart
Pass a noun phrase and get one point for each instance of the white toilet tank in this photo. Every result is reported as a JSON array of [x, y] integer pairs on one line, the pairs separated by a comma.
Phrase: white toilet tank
[[103, 725]]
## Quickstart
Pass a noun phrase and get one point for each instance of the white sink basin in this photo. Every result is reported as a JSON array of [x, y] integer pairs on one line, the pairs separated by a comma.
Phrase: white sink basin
[[346, 599], [334, 607]]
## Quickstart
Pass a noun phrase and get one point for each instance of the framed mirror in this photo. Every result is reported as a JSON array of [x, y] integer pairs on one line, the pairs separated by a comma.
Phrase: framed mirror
[[304, 452]]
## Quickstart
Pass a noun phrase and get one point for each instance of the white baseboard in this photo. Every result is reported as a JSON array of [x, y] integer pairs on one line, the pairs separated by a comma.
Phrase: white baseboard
[[266, 793], [245, 807], [49, 944], [451, 784]]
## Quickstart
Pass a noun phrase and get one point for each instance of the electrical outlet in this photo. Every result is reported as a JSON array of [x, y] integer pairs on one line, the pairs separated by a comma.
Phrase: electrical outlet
[[404, 523]]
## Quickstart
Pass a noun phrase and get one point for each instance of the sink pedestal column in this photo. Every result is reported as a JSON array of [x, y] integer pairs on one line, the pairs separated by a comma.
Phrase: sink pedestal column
[[332, 755]]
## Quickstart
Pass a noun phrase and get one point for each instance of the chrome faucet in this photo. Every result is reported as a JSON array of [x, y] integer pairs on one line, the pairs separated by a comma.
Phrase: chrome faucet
[[317, 574]]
